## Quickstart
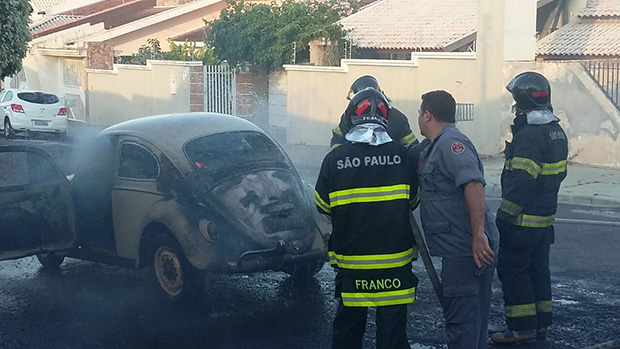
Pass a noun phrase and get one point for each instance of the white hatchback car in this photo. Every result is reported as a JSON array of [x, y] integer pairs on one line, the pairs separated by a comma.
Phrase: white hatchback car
[[32, 111]]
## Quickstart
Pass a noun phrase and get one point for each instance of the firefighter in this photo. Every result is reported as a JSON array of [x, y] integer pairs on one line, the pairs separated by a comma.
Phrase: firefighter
[[368, 189], [457, 223], [535, 166], [398, 128]]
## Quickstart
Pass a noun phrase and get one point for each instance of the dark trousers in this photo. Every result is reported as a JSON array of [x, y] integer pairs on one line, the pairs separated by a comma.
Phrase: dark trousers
[[523, 269], [467, 301], [350, 324]]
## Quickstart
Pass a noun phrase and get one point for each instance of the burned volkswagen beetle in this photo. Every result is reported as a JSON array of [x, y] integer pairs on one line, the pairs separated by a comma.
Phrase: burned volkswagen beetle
[[187, 194]]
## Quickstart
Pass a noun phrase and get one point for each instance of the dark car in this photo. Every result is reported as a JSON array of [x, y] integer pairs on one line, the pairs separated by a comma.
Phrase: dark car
[[185, 194]]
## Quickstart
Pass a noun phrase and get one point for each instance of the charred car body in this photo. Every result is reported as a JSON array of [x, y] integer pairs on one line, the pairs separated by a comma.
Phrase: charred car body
[[184, 194]]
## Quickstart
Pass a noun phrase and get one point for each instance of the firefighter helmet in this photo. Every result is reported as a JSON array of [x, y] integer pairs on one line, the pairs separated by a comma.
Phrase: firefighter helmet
[[368, 106], [530, 91], [361, 83]]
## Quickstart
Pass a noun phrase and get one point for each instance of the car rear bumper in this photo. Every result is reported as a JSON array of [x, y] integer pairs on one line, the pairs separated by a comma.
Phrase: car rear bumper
[[273, 259], [23, 123]]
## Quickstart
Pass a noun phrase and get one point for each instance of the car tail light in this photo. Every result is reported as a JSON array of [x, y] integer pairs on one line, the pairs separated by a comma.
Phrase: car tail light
[[62, 111], [17, 108]]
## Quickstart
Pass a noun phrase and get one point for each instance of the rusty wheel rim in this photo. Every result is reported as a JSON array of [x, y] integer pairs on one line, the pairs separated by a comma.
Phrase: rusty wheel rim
[[169, 271]]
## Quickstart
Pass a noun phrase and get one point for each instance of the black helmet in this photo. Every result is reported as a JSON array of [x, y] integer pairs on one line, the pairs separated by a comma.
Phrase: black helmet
[[361, 83], [531, 91], [368, 106]]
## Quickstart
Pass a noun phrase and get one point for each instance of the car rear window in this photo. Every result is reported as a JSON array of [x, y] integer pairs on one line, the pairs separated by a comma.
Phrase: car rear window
[[38, 97], [231, 149]]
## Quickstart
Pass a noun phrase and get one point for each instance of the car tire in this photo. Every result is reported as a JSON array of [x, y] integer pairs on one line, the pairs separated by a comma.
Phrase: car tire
[[50, 260], [8, 129], [174, 276]]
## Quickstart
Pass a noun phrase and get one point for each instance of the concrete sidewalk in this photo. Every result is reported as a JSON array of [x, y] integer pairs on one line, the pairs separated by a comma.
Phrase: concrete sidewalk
[[583, 184]]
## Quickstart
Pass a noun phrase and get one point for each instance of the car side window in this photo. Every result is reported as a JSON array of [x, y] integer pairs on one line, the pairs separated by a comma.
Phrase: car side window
[[137, 163], [8, 96], [21, 168]]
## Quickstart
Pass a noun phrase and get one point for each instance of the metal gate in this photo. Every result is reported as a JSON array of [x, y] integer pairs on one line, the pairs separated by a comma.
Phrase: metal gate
[[220, 90]]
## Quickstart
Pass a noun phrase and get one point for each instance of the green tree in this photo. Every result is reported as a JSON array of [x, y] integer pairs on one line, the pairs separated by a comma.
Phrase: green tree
[[187, 51], [14, 35], [265, 35]]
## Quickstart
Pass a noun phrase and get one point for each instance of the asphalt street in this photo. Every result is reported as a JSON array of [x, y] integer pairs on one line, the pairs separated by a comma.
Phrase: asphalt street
[[90, 305]]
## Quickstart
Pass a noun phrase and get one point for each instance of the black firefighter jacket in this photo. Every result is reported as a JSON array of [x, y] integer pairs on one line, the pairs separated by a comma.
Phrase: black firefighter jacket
[[369, 192], [534, 168]]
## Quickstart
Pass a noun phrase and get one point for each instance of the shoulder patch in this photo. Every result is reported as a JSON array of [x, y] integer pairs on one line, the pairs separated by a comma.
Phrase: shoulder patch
[[457, 148]]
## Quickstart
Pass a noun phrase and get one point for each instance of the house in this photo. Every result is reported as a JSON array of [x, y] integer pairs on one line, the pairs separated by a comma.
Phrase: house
[[70, 36], [594, 34], [393, 29]]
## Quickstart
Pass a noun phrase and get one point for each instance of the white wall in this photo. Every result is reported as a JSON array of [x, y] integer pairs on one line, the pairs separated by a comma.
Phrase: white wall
[[131, 91]]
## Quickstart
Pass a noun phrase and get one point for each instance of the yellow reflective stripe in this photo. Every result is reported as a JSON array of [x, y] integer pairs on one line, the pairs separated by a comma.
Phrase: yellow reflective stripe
[[520, 310], [408, 139], [332, 258], [378, 299], [510, 208], [554, 168], [336, 130], [321, 203], [525, 164], [372, 194], [544, 307], [376, 261], [531, 221]]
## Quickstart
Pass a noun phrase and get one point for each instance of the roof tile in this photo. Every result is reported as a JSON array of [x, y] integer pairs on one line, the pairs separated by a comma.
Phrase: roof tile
[[51, 22], [601, 8], [42, 5], [585, 38], [412, 24]]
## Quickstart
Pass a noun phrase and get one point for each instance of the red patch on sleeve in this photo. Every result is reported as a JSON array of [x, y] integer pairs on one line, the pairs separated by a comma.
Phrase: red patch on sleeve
[[458, 148]]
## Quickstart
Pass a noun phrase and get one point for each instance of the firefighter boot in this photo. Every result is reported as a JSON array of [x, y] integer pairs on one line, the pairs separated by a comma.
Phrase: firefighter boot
[[509, 337], [541, 332]]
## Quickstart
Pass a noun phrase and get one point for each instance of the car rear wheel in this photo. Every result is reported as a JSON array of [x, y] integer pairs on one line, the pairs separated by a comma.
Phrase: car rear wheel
[[176, 278], [50, 260], [8, 129]]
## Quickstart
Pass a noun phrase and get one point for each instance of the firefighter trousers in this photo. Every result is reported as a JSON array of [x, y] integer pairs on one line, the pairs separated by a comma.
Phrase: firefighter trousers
[[466, 301], [350, 324], [523, 269]]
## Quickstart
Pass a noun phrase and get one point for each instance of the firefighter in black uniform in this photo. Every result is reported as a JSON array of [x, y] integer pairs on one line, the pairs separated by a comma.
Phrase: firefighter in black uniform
[[398, 128], [368, 189], [535, 166]]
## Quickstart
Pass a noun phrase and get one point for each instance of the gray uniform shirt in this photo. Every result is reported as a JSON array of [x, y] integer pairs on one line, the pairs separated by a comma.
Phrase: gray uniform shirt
[[445, 166]]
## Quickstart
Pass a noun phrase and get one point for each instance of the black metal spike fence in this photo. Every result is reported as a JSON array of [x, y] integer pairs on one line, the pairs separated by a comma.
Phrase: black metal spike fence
[[607, 75]]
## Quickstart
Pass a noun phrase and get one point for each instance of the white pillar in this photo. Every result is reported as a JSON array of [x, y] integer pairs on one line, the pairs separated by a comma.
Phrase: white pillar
[[520, 30], [490, 63]]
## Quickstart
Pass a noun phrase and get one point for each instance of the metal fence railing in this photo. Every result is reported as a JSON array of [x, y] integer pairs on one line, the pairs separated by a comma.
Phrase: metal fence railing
[[464, 112], [220, 92], [606, 73]]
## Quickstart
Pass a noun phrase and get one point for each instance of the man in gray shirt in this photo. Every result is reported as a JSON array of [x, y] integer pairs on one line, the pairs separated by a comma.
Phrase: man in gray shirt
[[457, 223]]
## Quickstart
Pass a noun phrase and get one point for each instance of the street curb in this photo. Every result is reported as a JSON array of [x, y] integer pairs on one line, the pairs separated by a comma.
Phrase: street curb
[[495, 191]]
